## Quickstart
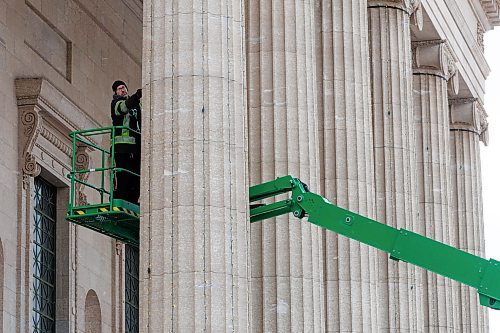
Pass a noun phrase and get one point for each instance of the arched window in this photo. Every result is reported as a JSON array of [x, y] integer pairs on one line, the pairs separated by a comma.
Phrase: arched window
[[92, 313]]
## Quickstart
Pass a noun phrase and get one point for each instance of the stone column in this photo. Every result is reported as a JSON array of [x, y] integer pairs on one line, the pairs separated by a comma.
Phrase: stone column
[[468, 127], [285, 253], [346, 159], [398, 286], [194, 201], [433, 67]]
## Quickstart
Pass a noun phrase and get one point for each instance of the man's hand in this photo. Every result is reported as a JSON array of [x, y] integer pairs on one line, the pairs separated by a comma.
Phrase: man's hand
[[133, 101]]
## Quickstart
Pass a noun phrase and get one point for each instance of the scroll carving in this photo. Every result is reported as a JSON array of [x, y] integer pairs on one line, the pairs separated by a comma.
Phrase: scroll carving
[[452, 75], [31, 124], [45, 117], [434, 57], [483, 125], [82, 163], [469, 114]]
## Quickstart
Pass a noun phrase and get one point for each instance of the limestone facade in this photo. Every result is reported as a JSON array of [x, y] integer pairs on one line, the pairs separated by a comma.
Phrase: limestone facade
[[376, 105], [57, 62]]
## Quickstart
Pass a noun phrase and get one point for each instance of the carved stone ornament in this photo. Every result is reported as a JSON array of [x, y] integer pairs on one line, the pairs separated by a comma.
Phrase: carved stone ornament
[[82, 163], [46, 116], [411, 7], [492, 10], [468, 114], [119, 248], [29, 129], [434, 57], [484, 135], [480, 36], [453, 81]]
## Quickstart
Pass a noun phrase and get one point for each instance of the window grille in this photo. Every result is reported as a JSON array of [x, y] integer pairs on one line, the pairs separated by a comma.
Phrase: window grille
[[131, 289], [44, 254]]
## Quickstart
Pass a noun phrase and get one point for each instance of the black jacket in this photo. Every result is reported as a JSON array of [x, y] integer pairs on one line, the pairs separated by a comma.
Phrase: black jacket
[[127, 112]]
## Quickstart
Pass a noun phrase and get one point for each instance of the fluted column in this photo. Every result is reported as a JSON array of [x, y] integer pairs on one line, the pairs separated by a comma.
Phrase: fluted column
[[285, 253], [433, 67], [468, 127], [346, 160], [194, 220], [398, 287]]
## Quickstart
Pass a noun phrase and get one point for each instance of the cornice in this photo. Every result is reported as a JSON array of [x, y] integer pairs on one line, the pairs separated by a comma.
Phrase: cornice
[[449, 22], [492, 11], [469, 38], [40, 92]]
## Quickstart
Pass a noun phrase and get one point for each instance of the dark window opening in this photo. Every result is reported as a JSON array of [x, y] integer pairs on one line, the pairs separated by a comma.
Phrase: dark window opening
[[44, 257], [131, 289]]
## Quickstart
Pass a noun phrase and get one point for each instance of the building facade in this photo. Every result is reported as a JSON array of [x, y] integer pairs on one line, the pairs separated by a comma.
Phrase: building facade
[[376, 105]]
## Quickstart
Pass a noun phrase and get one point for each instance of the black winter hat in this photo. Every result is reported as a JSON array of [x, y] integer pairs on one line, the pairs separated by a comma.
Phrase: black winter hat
[[118, 83]]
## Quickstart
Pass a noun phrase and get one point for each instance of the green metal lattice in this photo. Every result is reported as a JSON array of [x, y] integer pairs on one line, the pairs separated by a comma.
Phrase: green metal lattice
[[112, 217]]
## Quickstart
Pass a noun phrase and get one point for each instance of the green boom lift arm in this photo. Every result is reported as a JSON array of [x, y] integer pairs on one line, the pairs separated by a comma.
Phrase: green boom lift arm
[[401, 244]]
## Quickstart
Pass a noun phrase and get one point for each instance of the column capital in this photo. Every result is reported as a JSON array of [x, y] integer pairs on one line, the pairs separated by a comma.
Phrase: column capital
[[468, 114], [435, 57], [411, 7]]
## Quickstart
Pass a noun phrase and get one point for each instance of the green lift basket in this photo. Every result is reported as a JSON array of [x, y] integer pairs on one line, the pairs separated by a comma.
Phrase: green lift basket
[[112, 217]]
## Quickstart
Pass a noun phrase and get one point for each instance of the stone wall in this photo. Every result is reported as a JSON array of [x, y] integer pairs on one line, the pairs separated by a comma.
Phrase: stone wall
[[77, 48]]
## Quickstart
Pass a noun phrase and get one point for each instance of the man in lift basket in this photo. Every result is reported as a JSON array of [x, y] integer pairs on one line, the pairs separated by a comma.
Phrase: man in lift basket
[[126, 111]]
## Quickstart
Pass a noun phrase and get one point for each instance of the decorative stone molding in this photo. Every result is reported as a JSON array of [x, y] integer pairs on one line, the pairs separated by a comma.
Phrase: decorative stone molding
[[473, 54], [483, 124], [119, 248], [411, 7], [82, 163], [46, 116], [30, 124], [435, 57], [480, 36], [492, 10], [468, 114], [47, 134]]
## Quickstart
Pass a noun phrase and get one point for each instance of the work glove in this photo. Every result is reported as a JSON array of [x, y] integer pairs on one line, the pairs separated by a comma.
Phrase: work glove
[[133, 101]]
